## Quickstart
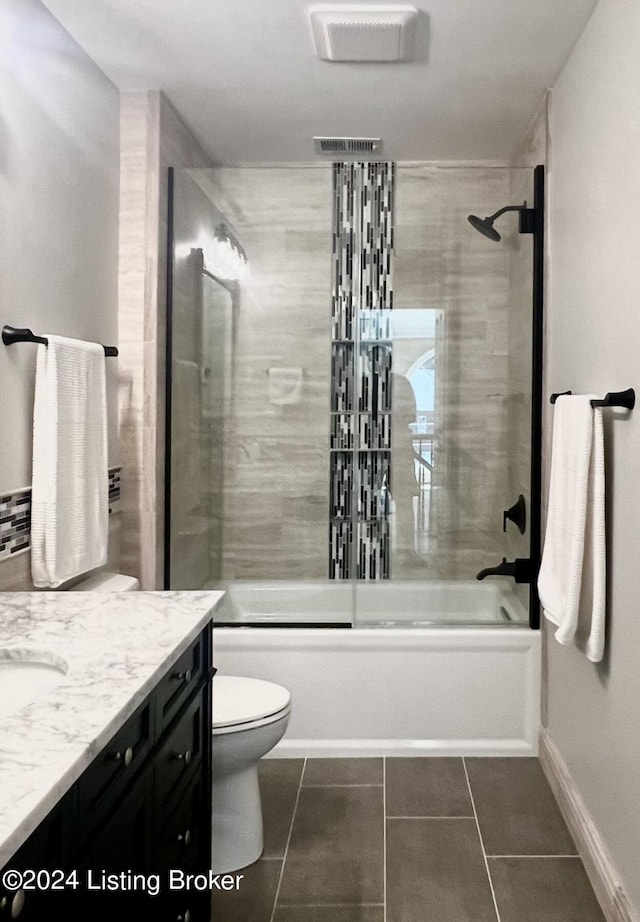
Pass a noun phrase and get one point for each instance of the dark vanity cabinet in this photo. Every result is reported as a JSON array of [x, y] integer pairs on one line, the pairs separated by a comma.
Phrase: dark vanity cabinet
[[140, 810]]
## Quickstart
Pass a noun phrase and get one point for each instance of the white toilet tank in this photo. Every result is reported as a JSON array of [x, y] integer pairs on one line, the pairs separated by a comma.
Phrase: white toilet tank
[[105, 581]]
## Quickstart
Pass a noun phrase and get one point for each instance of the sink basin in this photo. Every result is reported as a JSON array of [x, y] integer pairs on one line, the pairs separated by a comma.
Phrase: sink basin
[[26, 675]]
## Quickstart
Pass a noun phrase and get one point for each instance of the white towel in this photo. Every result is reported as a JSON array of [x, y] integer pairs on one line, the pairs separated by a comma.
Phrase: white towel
[[575, 532], [70, 482]]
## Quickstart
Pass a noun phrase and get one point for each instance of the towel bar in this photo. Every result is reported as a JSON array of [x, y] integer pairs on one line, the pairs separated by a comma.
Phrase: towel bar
[[626, 399], [11, 335]]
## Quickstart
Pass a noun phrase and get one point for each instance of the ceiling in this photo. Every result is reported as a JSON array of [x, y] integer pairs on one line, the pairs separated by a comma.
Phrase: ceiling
[[244, 74]]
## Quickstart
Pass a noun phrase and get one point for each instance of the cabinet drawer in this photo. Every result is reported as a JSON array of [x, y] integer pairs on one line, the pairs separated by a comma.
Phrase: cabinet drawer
[[181, 753], [182, 680], [116, 766]]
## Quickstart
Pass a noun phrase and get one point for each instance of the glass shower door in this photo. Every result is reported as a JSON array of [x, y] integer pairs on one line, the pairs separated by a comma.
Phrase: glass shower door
[[458, 343]]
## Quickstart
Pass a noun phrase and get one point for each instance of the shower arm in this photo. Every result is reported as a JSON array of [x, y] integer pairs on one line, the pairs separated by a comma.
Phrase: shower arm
[[528, 217], [507, 208]]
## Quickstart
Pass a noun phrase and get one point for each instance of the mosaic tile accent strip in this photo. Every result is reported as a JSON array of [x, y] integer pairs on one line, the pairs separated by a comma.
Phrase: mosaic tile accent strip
[[374, 372], [375, 326], [15, 516], [342, 436], [114, 490], [340, 538], [374, 550], [374, 431], [341, 486], [342, 378], [15, 522], [361, 391], [374, 469]]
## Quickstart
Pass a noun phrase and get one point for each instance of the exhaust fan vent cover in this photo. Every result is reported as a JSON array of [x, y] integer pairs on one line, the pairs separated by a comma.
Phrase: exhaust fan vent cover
[[347, 145], [364, 32]]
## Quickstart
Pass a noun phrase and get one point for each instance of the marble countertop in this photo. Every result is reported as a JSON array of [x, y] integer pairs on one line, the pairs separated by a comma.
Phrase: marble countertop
[[117, 647]]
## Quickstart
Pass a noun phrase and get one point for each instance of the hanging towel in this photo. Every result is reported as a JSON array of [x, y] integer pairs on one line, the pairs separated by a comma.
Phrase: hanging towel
[[69, 502], [575, 533]]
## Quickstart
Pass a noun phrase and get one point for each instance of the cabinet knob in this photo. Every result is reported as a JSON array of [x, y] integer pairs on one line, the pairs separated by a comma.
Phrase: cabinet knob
[[183, 676], [184, 917], [186, 838], [185, 756], [17, 904], [126, 756]]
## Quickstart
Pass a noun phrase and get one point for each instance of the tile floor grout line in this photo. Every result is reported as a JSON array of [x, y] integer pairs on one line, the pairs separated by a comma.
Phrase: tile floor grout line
[[384, 839], [356, 785], [332, 905], [490, 857], [484, 853], [286, 848], [400, 817]]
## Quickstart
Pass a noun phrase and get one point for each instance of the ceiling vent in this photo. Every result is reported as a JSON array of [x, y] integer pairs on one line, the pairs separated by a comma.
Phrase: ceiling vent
[[359, 146], [364, 32]]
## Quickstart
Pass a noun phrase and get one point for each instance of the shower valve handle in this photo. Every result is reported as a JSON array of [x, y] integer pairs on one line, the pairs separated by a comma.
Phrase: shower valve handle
[[516, 514]]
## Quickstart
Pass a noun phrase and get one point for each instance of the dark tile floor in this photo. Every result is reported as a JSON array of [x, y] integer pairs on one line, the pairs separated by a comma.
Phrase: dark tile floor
[[410, 840]]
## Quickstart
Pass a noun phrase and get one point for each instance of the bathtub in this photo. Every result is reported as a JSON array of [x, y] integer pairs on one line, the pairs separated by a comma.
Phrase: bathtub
[[371, 604], [438, 668]]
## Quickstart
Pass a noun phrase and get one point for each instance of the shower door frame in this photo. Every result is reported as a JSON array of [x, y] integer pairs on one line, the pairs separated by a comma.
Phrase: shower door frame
[[537, 363]]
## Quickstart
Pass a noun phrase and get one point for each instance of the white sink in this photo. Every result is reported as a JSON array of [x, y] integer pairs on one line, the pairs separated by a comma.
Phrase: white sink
[[26, 675]]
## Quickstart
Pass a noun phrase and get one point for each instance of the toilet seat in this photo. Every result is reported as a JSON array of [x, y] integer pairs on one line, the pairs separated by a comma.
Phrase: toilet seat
[[240, 703]]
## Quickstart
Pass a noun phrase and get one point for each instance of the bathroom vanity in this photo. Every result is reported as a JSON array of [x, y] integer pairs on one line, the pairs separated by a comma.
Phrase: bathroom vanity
[[105, 798]]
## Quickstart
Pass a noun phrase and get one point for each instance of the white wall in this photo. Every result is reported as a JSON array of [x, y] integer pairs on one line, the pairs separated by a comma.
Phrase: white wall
[[59, 157], [594, 345]]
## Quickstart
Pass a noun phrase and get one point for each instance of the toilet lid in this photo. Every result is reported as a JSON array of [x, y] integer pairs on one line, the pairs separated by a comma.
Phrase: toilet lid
[[238, 700]]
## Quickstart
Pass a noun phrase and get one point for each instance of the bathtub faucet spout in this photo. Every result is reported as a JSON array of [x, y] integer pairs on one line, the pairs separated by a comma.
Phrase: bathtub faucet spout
[[518, 569]]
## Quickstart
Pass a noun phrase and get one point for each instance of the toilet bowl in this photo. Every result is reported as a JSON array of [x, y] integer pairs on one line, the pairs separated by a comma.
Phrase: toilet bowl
[[249, 717]]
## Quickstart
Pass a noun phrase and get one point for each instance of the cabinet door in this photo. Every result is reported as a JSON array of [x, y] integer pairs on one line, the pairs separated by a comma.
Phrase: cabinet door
[[118, 860], [183, 849], [46, 853]]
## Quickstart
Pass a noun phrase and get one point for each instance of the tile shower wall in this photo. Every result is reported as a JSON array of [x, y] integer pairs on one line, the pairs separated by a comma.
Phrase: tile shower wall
[[442, 264], [274, 467], [276, 488], [361, 371], [153, 138]]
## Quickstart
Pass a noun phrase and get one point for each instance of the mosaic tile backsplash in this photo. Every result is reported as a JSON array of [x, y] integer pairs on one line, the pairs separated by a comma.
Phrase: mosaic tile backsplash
[[15, 516], [361, 393], [15, 522]]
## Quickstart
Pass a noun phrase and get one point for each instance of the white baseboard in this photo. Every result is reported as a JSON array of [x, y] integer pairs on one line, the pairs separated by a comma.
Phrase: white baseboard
[[597, 863], [366, 748]]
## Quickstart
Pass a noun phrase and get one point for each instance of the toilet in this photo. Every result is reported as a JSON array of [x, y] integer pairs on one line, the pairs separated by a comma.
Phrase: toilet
[[249, 717], [106, 581]]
